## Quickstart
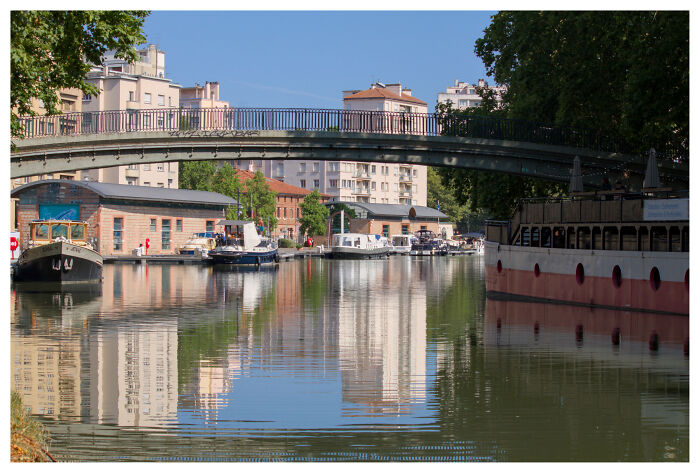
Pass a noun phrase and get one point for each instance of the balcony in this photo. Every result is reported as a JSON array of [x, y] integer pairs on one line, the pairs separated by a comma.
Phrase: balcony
[[405, 178], [131, 172], [361, 191], [405, 193], [361, 175]]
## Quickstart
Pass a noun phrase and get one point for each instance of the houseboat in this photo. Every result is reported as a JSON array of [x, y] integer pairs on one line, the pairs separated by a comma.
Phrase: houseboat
[[58, 252], [401, 244], [624, 251], [359, 246], [242, 245]]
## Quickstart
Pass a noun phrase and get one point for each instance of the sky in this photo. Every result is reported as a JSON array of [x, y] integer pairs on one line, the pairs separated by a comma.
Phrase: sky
[[307, 58]]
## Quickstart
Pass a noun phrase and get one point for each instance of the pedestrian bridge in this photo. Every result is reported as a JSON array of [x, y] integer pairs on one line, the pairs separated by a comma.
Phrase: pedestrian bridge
[[88, 140]]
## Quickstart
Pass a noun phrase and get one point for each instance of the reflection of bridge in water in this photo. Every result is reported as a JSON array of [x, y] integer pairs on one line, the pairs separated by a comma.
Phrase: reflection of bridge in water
[[90, 140]]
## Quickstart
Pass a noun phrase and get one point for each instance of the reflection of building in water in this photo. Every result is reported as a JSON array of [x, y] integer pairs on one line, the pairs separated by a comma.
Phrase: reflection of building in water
[[382, 336], [46, 373], [153, 286]]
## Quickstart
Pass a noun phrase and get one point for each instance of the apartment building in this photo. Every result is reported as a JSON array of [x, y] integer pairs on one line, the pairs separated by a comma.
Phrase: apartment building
[[352, 181], [464, 95], [131, 87], [69, 102]]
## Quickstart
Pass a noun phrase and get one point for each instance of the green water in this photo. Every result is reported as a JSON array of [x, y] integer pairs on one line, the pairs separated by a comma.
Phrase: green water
[[322, 360]]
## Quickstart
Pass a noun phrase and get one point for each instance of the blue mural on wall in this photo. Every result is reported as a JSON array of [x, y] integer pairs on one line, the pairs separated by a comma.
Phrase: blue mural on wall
[[59, 211]]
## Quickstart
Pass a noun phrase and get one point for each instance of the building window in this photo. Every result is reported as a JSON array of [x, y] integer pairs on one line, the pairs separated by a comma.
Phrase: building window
[[146, 183], [131, 181], [374, 186], [118, 228], [385, 230], [165, 232], [178, 225], [298, 212], [131, 96], [302, 167], [161, 100], [415, 172], [302, 183], [316, 183], [374, 169], [404, 229], [333, 183], [87, 98], [285, 212], [210, 226], [153, 224], [159, 167], [316, 167], [160, 184], [146, 167], [146, 98], [170, 183]]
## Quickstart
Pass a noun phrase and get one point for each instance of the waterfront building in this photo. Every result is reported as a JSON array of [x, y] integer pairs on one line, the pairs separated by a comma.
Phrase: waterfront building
[[288, 199], [384, 183], [128, 88], [464, 95], [121, 217], [397, 219]]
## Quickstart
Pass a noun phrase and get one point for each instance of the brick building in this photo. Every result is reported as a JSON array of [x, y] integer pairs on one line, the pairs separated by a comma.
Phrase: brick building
[[121, 217], [288, 199], [397, 219]]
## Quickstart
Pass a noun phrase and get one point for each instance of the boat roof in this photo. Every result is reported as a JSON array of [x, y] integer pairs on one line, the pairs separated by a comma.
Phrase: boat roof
[[57, 220], [235, 222]]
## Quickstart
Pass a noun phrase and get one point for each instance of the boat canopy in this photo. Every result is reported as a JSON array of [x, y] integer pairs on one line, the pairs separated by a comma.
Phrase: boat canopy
[[251, 238]]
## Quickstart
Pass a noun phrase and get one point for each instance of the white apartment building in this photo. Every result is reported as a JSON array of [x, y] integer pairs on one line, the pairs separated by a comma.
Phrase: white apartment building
[[464, 95], [132, 87], [382, 183]]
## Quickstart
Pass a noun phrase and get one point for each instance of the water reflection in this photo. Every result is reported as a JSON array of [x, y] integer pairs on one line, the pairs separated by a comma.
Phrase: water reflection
[[343, 360]]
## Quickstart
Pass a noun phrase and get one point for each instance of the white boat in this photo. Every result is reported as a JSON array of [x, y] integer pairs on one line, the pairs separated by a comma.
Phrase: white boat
[[401, 244], [359, 246], [198, 244]]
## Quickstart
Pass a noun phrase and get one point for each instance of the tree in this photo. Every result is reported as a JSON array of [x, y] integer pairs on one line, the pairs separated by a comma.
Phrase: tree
[[624, 72], [487, 193], [51, 50], [261, 200], [197, 175], [314, 215], [226, 182], [443, 195]]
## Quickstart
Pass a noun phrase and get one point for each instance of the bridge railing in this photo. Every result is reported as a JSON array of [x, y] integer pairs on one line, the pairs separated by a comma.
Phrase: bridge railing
[[359, 121]]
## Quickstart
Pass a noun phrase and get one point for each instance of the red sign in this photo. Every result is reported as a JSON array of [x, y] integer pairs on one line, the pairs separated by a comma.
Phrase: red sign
[[148, 243], [14, 244]]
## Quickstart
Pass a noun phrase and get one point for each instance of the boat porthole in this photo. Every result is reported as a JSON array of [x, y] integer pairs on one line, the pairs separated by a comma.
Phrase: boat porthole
[[687, 280], [654, 278], [579, 274], [617, 276], [537, 270], [499, 266]]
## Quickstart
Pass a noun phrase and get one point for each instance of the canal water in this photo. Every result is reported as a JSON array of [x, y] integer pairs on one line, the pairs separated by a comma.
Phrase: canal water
[[322, 360]]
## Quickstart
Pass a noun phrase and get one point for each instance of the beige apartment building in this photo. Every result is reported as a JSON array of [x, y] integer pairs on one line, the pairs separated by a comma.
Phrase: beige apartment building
[[129, 88], [351, 181], [464, 95]]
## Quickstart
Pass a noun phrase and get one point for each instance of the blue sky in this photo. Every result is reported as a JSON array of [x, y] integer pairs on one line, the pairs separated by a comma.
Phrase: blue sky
[[307, 58]]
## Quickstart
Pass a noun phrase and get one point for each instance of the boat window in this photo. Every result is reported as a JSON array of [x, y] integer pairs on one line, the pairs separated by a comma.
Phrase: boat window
[[59, 230], [41, 231], [77, 232]]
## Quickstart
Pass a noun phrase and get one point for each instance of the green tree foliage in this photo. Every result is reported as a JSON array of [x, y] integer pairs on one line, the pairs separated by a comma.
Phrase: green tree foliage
[[314, 215], [260, 200], [197, 175], [51, 50], [623, 72], [486, 193], [443, 194]]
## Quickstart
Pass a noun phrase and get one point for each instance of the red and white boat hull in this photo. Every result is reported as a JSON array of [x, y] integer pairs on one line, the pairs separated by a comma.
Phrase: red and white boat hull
[[629, 280]]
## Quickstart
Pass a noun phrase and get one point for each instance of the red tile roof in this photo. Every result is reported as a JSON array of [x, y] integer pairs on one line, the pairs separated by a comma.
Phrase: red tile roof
[[383, 93], [282, 188]]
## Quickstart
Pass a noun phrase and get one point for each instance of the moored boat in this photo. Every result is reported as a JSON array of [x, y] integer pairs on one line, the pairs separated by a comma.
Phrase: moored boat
[[425, 244], [241, 245], [58, 252], [199, 244], [631, 252], [359, 246], [401, 244]]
